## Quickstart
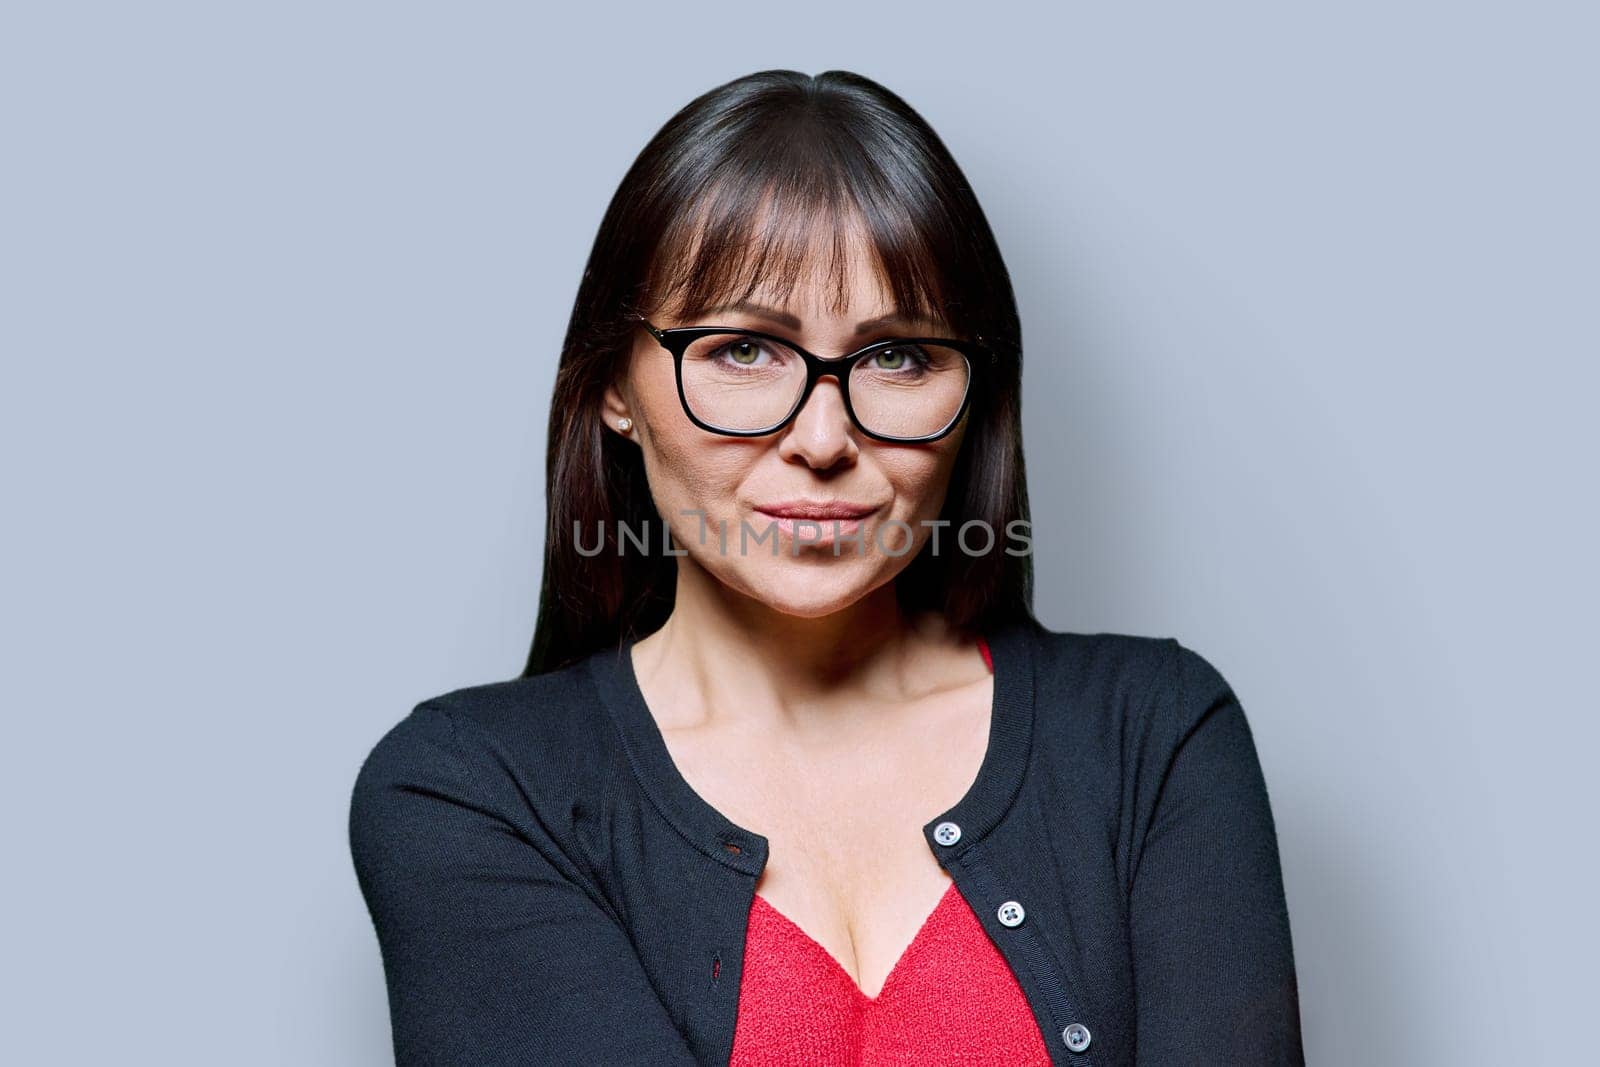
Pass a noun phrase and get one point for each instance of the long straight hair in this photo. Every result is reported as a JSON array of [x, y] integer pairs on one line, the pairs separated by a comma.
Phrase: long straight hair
[[725, 198]]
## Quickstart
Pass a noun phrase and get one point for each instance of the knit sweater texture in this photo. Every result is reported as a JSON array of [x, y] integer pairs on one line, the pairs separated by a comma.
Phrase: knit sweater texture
[[546, 887]]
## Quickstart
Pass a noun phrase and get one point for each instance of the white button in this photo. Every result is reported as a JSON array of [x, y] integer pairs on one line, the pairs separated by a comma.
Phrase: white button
[[1076, 1036], [947, 833], [1010, 913]]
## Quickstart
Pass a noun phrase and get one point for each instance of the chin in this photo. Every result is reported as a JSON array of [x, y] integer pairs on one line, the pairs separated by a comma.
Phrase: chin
[[808, 592]]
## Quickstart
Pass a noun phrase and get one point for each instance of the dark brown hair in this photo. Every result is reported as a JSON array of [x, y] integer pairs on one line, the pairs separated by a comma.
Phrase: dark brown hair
[[726, 197]]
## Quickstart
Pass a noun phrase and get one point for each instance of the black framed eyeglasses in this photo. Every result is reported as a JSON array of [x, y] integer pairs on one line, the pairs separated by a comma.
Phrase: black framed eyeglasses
[[745, 383]]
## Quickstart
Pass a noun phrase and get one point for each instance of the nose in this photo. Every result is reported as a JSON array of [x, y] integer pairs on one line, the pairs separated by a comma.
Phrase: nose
[[821, 433]]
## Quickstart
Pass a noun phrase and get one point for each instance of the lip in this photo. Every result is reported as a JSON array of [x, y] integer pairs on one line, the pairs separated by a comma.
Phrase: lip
[[828, 520], [816, 509]]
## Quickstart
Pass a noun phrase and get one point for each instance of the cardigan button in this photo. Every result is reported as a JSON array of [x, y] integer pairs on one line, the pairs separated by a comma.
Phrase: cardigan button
[[1010, 913], [1076, 1036], [947, 833]]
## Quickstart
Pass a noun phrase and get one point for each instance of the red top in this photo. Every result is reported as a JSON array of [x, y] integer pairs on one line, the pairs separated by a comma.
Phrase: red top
[[950, 998]]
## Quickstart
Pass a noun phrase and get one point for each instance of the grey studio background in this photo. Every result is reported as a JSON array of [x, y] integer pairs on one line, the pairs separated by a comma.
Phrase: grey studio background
[[1308, 297]]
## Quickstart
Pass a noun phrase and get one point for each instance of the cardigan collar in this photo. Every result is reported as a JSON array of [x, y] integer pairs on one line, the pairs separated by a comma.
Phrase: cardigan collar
[[1005, 760]]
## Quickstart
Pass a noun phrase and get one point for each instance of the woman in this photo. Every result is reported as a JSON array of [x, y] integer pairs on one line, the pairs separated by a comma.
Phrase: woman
[[806, 782]]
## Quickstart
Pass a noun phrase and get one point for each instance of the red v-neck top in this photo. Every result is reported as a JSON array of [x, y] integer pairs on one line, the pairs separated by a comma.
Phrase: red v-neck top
[[950, 998]]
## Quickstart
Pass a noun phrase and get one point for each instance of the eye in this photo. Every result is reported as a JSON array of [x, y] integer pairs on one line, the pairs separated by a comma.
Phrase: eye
[[899, 357], [744, 351]]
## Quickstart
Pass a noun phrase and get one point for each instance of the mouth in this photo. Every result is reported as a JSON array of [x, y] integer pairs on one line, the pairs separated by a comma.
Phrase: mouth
[[818, 523], [816, 509]]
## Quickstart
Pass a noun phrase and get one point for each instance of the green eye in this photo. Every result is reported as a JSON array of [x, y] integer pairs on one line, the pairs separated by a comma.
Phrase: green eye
[[900, 358]]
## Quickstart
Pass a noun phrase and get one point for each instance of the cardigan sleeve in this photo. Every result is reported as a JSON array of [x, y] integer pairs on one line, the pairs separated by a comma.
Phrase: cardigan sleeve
[[494, 950], [1213, 961]]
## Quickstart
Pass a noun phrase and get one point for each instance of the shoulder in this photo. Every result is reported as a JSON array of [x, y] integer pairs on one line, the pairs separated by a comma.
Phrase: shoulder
[[1133, 721], [508, 748], [1132, 685], [545, 720]]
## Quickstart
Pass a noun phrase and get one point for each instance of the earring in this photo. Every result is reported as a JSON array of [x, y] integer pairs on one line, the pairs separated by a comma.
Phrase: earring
[[624, 424]]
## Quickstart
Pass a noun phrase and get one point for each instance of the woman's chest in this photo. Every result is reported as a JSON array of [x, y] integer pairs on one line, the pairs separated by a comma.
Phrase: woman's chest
[[951, 997], [848, 863]]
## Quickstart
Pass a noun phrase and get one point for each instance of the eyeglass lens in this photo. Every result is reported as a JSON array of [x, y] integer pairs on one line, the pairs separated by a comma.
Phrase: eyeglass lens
[[738, 382]]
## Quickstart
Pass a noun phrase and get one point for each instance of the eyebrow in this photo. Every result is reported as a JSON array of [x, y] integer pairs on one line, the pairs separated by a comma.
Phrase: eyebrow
[[784, 318]]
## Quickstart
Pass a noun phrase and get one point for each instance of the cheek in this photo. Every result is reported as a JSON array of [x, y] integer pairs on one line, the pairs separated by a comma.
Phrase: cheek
[[681, 461], [690, 473], [920, 480]]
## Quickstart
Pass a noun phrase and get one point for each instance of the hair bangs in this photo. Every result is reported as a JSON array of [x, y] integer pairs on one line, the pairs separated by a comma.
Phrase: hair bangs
[[760, 233]]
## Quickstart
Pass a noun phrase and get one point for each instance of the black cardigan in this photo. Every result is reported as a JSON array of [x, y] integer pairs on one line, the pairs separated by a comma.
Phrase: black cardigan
[[547, 888]]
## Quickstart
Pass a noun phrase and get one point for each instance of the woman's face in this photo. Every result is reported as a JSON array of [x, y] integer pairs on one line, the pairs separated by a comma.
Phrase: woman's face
[[818, 457]]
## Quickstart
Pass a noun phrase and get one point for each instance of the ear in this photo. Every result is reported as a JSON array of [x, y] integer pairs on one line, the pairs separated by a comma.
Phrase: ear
[[616, 412]]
